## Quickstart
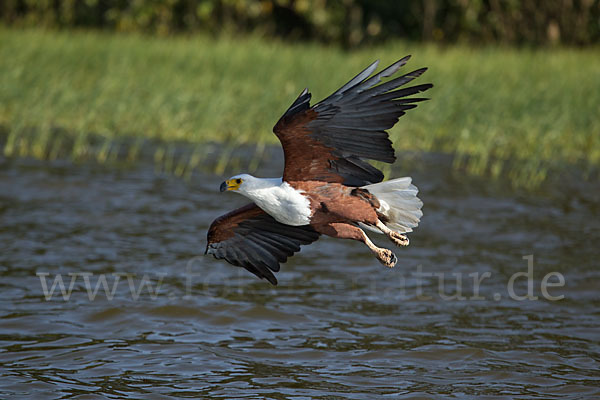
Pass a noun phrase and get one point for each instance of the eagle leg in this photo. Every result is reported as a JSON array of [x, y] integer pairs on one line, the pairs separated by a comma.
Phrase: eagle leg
[[347, 231], [397, 238]]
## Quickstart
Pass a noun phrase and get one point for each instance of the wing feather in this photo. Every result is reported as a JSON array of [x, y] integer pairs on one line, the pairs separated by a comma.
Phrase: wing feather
[[361, 76], [331, 140], [250, 238]]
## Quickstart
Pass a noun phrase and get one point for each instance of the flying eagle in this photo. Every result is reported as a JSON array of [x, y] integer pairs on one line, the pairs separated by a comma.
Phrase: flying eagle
[[327, 187]]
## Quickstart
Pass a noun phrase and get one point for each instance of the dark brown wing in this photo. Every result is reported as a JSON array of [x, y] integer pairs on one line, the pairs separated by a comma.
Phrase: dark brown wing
[[328, 142], [250, 238]]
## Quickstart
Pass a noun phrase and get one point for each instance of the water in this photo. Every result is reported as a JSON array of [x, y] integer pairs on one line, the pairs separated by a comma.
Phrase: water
[[339, 325]]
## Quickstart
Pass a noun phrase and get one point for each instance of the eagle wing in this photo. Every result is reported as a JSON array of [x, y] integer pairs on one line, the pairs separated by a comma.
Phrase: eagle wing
[[329, 141], [250, 238]]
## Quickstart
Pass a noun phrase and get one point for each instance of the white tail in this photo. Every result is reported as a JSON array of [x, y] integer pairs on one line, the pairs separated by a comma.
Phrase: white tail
[[399, 203]]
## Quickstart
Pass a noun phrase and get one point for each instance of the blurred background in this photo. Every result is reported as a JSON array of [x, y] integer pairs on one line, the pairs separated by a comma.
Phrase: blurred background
[[119, 120], [343, 22], [516, 82]]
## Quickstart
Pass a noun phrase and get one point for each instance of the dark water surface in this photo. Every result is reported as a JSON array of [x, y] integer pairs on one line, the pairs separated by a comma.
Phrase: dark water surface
[[339, 325]]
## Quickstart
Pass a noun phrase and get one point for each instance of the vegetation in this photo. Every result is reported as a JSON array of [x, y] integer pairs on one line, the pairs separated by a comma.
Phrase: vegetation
[[347, 22], [499, 110]]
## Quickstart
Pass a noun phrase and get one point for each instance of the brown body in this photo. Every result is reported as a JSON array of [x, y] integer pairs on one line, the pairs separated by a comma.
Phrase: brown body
[[334, 202], [337, 209]]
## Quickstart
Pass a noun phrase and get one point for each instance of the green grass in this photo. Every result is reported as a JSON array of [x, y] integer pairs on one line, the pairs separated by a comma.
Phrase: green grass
[[515, 112]]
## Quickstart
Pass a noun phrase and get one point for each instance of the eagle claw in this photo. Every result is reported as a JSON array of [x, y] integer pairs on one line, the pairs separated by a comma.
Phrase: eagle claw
[[387, 258], [399, 239]]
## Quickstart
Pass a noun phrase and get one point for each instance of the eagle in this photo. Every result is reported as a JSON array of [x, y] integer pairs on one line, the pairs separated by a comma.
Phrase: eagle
[[328, 187]]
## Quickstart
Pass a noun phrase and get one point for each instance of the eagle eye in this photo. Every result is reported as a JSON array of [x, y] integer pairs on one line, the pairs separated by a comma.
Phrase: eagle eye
[[238, 181]]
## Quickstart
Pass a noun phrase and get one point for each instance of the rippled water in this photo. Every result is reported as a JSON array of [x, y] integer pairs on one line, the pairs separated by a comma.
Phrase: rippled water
[[339, 325]]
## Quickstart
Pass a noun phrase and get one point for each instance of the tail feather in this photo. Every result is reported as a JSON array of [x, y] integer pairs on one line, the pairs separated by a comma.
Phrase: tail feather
[[399, 203]]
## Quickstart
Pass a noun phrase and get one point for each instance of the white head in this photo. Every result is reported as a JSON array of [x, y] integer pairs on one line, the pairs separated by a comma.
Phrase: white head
[[235, 183], [245, 183]]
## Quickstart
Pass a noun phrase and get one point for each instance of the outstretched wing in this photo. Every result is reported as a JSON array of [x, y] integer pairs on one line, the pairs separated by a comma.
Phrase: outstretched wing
[[328, 142], [250, 238]]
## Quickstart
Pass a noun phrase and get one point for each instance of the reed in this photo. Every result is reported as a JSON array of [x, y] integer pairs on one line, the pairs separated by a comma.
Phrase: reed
[[500, 111]]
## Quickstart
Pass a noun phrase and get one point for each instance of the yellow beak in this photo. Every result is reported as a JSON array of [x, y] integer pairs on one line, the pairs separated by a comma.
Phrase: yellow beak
[[230, 184]]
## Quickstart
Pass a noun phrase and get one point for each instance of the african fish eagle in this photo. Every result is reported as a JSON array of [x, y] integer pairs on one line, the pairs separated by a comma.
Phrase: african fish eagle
[[327, 187]]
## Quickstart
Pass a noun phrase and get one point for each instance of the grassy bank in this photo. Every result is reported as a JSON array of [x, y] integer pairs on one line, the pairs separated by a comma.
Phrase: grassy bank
[[518, 112]]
